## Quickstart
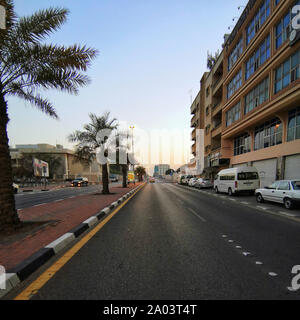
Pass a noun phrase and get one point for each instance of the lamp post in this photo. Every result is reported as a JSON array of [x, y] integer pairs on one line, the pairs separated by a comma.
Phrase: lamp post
[[132, 142]]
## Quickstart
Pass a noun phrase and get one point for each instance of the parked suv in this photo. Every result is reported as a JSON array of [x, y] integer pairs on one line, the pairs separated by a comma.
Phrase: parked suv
[[284, 191]]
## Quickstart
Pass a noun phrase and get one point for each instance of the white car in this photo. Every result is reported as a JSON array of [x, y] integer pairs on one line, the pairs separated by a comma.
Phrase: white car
[[284, 191], [192, 182]]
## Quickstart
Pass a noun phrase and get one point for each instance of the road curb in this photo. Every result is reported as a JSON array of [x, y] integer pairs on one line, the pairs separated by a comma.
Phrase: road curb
[[23, 270]]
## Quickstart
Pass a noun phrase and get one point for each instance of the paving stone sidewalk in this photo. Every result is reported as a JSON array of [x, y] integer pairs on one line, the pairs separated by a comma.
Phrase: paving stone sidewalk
[[60, 217]]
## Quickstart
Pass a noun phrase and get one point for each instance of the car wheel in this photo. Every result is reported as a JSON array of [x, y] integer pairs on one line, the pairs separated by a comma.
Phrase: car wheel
[[259, 198], [216, 190], [230, 193], [288, 203]]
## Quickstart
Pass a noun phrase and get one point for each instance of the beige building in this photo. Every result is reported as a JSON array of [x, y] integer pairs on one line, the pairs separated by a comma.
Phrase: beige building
[[68, 168], [257, 95]]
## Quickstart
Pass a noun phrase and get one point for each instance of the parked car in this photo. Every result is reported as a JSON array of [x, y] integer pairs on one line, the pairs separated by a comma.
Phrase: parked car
[[203, 183], [151, 180], [283, 191], [80, 182], [192, 182], [16, 188], [237, 180], [113, 178], [186, 179]]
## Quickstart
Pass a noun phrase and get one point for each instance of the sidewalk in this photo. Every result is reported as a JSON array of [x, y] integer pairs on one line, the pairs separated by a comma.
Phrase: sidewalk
[[56, 219]]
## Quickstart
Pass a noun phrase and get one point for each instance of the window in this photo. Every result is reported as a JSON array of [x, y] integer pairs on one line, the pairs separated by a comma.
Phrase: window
[[234, 84], [269, 134], [227, 178], [207, 129], [233, 114], [242, 144], [257, 96], [284, 27], [284, 185], [207, 91], [274, 185], [287, 72], [294, 125], [235, 54], [296, 185], [207, 111], [258, 58], [260, 17], [248, 176], [276, 2]]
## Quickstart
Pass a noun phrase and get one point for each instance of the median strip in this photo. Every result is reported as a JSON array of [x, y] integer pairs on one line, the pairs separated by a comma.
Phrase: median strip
[[23, 270]]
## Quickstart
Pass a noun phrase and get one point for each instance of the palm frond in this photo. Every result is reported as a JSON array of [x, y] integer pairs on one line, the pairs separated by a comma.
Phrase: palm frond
[[41, 24], [42, 104]]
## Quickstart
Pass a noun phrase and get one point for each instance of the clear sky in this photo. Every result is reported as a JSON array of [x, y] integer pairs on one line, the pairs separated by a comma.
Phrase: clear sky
[[152, 53]]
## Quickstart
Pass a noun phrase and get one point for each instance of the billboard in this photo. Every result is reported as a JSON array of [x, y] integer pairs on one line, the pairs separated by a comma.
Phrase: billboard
[[130, 176], [40, 168]]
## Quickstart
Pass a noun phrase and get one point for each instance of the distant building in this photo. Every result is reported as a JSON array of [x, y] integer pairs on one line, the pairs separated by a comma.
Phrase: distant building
[[67, 168], [160, 169]]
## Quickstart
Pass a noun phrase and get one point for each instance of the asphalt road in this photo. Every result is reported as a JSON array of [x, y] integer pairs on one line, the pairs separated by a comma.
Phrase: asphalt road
[[27, 200], [169, 242]]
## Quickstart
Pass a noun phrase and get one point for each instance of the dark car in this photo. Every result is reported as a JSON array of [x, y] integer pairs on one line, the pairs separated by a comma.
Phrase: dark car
[[80, 182]]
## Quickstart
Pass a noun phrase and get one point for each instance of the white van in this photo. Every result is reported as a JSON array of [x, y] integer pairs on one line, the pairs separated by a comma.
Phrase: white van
[[237, 180]]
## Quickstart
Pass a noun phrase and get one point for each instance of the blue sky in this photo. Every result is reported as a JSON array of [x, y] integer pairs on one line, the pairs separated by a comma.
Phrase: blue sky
[[151, 54]]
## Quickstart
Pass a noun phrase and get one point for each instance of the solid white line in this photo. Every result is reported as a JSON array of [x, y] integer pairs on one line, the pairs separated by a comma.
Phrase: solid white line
[[273, 274], [258, 263], [196, 214], [59, 200], [263, 208], [288, 214]]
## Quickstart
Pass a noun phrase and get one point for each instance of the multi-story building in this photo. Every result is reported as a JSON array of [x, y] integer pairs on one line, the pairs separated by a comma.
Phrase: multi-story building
[[160, 169], [207, 111], [261, 92], [67, 165], [257, 96]]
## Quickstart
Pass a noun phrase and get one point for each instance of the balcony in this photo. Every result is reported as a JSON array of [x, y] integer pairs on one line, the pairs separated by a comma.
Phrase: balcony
[[217, 130], [194, 149], [193, 108], [194, 135], [194, 122]]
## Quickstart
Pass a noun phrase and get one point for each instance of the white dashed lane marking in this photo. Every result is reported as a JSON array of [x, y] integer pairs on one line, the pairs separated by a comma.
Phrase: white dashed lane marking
[[197, 215]]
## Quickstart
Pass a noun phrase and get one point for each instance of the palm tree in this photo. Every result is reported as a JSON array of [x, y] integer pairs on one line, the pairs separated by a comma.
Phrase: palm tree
[[140, 172], [88, 143], [27, 65]]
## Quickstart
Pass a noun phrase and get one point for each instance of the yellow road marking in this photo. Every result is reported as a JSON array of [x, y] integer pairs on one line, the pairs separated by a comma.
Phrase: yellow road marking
[[36, 285]]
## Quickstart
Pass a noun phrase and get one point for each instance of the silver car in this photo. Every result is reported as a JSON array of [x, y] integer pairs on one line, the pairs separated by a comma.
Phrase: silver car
[[284, 191], [204, 183]]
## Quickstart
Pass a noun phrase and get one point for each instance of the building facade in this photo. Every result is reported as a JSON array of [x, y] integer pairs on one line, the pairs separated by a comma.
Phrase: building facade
[[67, 166], [260, 100], [160, 170]]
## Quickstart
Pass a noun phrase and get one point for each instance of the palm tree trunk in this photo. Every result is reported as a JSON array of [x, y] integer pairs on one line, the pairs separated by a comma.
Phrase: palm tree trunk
[[124, 174], [8, 213], [105, 181]]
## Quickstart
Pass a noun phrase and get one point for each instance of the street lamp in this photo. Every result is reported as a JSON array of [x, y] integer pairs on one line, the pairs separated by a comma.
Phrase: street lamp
[[132, 142]]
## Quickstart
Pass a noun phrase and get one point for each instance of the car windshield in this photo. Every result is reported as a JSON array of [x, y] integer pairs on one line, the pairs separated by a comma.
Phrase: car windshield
[[296, 185], [78, 179], [248, 176]]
